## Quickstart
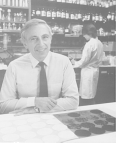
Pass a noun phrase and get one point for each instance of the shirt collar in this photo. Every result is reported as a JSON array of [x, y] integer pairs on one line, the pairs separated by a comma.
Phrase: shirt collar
[[94, 38], [35, 62]]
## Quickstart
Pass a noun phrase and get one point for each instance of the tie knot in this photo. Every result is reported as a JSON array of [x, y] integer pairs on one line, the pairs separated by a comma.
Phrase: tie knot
[[41, 64]]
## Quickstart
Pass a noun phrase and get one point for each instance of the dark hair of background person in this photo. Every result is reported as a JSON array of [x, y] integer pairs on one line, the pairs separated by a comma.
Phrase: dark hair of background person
[[89, 29]]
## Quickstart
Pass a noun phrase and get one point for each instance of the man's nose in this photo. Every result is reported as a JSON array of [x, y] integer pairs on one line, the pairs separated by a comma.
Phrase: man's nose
[[40, 42]]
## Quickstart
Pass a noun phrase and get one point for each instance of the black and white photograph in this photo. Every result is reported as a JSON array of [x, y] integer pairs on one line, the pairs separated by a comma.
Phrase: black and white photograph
[[58, 71]]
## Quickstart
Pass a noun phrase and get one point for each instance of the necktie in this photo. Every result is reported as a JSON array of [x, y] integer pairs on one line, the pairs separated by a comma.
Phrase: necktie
[[43, 81]]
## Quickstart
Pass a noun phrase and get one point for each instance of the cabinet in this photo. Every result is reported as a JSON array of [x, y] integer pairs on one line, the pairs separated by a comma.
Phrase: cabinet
[[62, 15], [106, 85], [13, 15]]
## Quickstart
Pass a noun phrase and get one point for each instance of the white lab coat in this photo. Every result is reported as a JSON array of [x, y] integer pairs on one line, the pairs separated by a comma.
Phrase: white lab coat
[[91, 59]]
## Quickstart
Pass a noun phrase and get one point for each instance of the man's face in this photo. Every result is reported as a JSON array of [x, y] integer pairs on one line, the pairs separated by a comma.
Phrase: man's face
[[38, 41]]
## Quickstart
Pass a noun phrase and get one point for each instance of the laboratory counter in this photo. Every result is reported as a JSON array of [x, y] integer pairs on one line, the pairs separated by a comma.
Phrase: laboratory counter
[[86, 124]]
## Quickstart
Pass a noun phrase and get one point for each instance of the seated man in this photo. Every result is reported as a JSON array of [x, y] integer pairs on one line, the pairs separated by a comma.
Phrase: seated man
[[39, 81]]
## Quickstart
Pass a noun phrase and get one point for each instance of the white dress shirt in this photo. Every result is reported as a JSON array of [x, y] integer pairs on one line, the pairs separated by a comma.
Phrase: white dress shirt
[[21, 83]]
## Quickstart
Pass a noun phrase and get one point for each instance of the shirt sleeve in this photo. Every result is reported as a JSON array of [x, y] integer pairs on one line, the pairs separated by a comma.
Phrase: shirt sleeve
[[86, 55], [70, 96], [9, 97]]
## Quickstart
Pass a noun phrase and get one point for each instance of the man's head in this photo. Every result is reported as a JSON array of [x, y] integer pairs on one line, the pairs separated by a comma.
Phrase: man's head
[[89, 31], [36, 36]]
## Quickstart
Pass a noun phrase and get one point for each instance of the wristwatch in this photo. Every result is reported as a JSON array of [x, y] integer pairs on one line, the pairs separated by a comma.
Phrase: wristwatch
[[36, 109]]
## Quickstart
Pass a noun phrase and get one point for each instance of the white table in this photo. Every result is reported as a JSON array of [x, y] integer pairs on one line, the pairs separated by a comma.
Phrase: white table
[[45, 128]]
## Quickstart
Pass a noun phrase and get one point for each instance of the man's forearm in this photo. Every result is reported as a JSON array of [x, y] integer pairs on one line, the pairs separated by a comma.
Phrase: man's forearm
[[12, 104], [67, 103]]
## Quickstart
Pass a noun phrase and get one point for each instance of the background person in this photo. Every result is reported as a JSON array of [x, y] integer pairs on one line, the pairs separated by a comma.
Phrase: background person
[[20, 90], [91, 59]]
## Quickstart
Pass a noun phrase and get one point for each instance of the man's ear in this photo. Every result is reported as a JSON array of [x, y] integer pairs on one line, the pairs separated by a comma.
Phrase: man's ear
[[24, 43]]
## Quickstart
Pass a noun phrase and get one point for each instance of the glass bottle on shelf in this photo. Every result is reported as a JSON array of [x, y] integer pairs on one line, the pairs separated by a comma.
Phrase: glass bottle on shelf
[[100, 17], [115, 16], [4, 2], [66, 30], [112, 16], [74, 1], [38, 12], [55, 28], [101, 3], [109, 16], [63, 14], [13, 2], [14, 26], [5, 41], [92, 3], [3, 14], [106, 4], [8, 17], [114, 2], [82, 2], [49, 13], [16, 3], [58, 13], [19, 27], [15, 17], [95, 2], [8, 2], [76, 16], [53, 13], [3, 25], [63, 1], [93, 17], [67, 15], [96, 17], [26, 3], [0, 25], [18, 17], [43, 12], [1, 3], [83, 17], [88, 16], [78, 2], [104, 20], [111, 3], [20, 3], [24, 17], [69, 1], [0, 13], [61, 29], [58, 0], [79, 15], [72, 15], [33, 13], [9, 26]]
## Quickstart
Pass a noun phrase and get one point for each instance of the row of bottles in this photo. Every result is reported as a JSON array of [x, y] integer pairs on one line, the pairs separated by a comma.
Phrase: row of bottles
[[71, 14], [60, 29], [99, 3], [8, 15], [14, 3], [11, 26]]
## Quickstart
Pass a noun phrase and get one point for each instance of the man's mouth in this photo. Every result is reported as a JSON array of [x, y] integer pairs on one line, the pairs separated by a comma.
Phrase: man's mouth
[[39, 49]]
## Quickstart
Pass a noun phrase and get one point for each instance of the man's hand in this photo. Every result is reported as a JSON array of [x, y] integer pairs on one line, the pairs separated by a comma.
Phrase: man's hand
[[28, 110], [45, 103]]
